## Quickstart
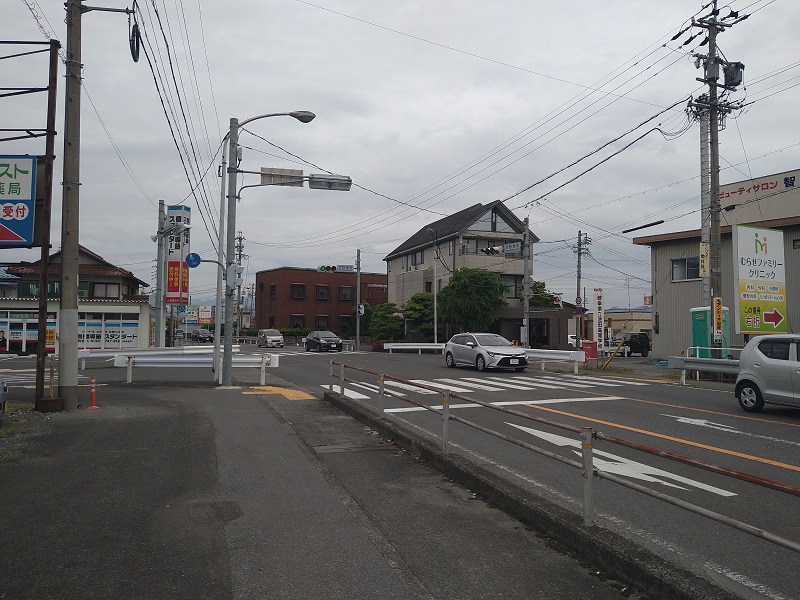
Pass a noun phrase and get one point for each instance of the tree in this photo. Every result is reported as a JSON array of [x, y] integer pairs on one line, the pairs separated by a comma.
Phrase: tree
[[540, 297], [365, 318], [471, 298], [385, 323], [418, 313]]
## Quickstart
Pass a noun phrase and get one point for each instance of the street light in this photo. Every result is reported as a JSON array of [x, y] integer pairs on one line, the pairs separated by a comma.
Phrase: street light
[[303, 116], [435, 311]]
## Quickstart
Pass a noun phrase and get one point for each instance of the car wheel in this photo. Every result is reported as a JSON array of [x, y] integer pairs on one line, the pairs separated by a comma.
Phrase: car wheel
[[449, 360], [519, 369], [480, 363], [645, 353], [750, 398], [308, 348], [340, 349]]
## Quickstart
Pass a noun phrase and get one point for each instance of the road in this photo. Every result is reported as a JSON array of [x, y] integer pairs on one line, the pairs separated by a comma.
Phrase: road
[[703, 424]]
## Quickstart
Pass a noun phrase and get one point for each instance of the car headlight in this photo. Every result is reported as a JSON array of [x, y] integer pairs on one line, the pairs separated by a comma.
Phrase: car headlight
[[492, 354]]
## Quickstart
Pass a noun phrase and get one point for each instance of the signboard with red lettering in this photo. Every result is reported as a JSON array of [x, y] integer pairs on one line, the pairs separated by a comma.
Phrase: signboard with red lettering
[[759, 280], [178, 219], [17, 200]]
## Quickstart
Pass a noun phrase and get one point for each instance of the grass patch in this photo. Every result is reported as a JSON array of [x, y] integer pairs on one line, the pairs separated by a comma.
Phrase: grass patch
[[19, 406], [9, 428], [12, 456]]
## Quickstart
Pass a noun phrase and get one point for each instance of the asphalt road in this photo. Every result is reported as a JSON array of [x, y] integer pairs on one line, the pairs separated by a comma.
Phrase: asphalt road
[[705, 424], [173, 488]]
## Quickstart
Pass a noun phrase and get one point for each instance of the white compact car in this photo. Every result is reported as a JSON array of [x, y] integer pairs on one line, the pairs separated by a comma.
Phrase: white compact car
[[484, 351], [769, 372], [269, 338]]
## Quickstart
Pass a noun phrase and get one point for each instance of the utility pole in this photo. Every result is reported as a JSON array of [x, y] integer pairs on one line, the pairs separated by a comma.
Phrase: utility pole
[[239, 255], [710, 109], [583, 242], [160, 312], [526, 285], [358, 300]]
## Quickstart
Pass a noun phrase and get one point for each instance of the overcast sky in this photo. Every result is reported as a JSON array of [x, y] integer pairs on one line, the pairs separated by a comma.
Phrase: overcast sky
[[430, 107]]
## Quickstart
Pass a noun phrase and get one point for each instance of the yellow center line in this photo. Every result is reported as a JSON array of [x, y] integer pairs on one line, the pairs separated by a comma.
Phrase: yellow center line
[[671, 438]]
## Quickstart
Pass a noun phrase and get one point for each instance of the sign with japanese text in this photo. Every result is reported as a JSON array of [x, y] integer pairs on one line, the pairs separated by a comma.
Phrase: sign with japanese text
[[177, 248], [204, 314], [759, 280], [17, 200], [705, 259], [717, 305], [599, 319]]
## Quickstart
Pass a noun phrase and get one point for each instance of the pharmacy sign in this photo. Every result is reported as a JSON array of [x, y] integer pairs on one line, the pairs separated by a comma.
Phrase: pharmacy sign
[[17, 200]]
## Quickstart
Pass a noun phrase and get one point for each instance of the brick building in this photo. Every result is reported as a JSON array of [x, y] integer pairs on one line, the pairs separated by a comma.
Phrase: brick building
[[290, 297]]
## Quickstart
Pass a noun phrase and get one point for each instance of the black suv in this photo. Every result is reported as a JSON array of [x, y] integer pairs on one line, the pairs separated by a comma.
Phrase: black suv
[[637, 342]]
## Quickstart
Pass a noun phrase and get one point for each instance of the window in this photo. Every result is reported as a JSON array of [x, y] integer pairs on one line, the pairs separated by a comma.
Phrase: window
[[106, 290], [323, 292], [451, 247], [321, 322], [272, 321], [685, 268], [298, 321], [429, 286], [776, 350], [272, 290], [418, 257], [298, 290], [796, 244], [345, 322], [345, 292], [83, 289]]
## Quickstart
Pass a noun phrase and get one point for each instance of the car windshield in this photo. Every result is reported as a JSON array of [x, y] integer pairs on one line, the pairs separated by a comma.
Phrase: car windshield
[[326, 334], [492, 339], [272, 332]]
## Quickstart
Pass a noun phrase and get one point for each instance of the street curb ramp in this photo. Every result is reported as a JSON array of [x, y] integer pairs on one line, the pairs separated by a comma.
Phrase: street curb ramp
[[656, 576]]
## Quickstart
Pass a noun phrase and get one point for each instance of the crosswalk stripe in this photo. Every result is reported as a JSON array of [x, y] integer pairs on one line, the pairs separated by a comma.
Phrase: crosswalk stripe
[[505, 383], [350, 393], [506, 403], [561, 382], [472, 385], [410, 388], [448, 384], [535, 381]]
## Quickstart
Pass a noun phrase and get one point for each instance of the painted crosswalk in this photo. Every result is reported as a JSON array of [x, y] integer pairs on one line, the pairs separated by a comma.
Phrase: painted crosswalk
[[363, 390]]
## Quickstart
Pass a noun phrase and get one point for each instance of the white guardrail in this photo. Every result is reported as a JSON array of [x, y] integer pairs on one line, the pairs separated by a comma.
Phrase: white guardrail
[[413, 346], [263, 361], [711, 365]]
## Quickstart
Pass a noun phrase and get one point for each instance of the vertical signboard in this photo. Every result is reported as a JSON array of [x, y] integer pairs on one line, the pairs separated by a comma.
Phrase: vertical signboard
[[759, 280], [17, 200], [176, 251], [204, 314], [599, 320], [717, 308]]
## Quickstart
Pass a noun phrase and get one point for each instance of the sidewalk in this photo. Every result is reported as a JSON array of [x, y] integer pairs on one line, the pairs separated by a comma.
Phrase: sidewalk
[[178, 490]]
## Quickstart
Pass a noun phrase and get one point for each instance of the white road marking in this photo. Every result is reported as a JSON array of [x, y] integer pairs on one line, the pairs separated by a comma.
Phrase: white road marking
[[506, 403]]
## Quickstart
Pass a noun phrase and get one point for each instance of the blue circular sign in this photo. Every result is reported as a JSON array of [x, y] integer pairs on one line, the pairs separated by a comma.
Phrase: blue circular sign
[[193, 260]]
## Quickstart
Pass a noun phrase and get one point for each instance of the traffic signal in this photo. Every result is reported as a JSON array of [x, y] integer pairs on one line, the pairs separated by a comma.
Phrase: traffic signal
[[492, 250], [327, 268]]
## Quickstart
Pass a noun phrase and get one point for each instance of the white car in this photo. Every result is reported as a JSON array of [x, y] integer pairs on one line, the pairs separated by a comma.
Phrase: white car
[[269, 338], [484, 351]]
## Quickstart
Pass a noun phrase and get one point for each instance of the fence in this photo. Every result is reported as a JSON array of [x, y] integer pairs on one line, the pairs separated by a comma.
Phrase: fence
[[587, 437]]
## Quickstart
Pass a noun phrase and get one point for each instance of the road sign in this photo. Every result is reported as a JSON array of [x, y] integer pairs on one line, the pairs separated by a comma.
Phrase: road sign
[[346, 268], [193, 260], [17, 200], [512, 247]]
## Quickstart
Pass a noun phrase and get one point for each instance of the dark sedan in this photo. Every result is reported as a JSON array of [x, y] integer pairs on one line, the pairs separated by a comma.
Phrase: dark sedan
[[323, 340]]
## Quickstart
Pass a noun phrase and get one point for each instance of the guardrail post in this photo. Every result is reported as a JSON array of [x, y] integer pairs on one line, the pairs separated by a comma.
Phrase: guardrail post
[[330, 376], [341, 379], [130, 369], [381, 387], [543, 365], [264, 360], [588, 476], [445, 417], [683, 376], [575, 368]]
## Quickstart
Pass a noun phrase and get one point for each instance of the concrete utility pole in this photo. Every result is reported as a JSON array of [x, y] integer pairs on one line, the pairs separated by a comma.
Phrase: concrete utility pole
[[358, 299], [711, 111], [583, 241], [68, 305], [160, 310], [526, 285], [239, 304]]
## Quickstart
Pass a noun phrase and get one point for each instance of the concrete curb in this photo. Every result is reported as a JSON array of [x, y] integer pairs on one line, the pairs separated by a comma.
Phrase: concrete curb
[[605, 549]]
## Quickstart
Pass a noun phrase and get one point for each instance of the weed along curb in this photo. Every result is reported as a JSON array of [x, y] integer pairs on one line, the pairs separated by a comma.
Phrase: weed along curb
[[606, 550]]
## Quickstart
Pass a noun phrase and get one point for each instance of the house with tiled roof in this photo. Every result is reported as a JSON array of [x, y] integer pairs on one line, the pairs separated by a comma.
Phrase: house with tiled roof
[[460, 240], [112, 310]]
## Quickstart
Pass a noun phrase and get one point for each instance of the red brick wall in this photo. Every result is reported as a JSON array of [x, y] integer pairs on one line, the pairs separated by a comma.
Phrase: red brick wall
[[282, 311]]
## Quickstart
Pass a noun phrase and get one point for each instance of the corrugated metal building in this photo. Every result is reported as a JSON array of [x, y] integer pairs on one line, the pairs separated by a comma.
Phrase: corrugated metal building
[[770, 202]]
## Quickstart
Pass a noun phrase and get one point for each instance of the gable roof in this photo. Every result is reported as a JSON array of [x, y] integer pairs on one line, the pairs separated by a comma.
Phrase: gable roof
[[452, 226], [103, 268]]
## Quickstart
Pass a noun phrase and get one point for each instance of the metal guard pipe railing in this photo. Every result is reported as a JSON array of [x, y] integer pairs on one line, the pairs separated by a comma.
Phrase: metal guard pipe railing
[[586, 445]]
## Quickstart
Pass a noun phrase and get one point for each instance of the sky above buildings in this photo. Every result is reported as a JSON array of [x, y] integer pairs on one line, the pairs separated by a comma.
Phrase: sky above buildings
[[574, 114]]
